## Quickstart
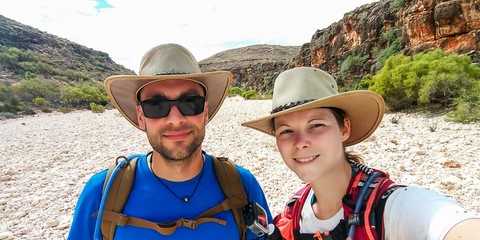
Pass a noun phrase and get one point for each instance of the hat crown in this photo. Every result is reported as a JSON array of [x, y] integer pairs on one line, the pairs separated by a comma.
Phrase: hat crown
[[168, 59], [300, 85]]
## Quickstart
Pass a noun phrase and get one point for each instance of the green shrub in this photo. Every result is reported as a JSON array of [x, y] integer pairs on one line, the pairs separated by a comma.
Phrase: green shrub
[[7, 107], [96, 108], [28, 89], [235, 91], [389, 82], [267, 83], [352, 63], [75, 75], [65, 109], [22, 61], [391, 39], [30, 75], [40, 102], [84, 94], [430, 80], [250, 94], [4, 92], [269, 94], [366, 82], [397, 5], [467, 106]]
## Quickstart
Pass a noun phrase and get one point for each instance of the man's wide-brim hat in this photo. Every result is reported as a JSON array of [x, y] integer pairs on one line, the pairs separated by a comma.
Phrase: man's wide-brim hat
[[306, 88], [166, 62]]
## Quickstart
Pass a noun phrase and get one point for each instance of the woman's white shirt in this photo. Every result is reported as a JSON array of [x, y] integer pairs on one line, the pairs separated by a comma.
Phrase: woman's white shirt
[[309, 223]]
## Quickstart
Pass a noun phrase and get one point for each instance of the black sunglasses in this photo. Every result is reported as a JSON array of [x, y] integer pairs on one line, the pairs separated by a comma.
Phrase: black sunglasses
[[160, 108]]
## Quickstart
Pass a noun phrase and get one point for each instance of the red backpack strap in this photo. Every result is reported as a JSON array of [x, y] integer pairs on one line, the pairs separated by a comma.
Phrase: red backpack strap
[[298, 205], [369, 215], [374, 202], [289, 220]]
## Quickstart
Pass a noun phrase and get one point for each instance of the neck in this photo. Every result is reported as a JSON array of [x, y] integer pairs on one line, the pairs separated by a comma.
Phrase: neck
[[330, 190], [177, 172]]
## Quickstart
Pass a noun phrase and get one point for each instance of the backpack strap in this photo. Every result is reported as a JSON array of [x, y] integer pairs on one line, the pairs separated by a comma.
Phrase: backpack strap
[[227, 176], [373, 202], [119, 192], [231, 184], [301, 198], [374, 199]]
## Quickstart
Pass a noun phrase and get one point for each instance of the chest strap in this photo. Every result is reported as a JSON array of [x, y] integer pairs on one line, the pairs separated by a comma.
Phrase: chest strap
[[169, 228]]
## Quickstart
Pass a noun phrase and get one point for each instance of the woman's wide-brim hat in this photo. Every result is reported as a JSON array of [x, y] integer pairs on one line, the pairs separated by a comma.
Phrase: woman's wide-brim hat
[[166, 62], [306, 88]]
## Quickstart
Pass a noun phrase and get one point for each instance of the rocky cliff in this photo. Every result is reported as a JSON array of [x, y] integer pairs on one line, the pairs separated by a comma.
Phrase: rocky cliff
[[375, 31]]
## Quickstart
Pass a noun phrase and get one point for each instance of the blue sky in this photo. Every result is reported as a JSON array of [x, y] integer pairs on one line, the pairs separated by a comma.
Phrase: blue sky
[[127, 29]]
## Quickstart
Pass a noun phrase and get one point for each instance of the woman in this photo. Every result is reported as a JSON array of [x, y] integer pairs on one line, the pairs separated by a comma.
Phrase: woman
[[344, 199]]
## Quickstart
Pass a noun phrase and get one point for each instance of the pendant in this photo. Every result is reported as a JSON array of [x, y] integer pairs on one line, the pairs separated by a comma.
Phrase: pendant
[[185, 199]]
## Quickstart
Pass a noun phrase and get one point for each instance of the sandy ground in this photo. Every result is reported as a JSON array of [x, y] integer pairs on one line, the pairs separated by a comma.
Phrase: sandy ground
[[47, 158]]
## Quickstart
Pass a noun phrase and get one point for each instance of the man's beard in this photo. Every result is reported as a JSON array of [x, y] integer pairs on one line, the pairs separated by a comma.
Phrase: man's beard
[[174, 155]]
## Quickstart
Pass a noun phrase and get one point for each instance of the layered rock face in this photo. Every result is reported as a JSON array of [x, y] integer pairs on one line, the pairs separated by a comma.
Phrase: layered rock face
[[419, 25]]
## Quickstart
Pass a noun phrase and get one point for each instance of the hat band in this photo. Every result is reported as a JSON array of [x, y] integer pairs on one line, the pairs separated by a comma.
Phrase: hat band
[[170, 73], [289, 105]]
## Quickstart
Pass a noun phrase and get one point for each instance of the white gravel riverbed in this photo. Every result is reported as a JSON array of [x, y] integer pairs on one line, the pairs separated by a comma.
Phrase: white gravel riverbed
[[46, 159]]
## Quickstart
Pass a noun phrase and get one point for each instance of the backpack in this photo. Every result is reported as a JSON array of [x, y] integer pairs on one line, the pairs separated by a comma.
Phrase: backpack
[[361, 216], [226, 173]]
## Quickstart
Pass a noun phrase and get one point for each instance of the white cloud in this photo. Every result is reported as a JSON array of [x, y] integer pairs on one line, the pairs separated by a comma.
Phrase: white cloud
[[130, 28]]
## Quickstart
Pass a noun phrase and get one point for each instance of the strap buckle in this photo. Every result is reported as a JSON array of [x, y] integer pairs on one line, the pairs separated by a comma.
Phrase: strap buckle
[[192, 224]]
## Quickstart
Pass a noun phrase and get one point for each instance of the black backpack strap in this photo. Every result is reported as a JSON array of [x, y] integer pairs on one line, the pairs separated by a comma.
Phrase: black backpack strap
[[232, 186], [379, 208]]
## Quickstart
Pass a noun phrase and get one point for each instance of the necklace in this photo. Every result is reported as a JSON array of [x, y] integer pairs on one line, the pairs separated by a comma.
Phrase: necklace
[[185, 199]]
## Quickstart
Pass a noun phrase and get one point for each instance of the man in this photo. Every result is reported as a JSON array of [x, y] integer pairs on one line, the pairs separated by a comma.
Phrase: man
[[171, 101]]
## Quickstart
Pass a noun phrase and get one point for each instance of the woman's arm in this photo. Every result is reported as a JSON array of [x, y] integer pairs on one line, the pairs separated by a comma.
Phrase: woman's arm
[[466, 230], [418, 213]]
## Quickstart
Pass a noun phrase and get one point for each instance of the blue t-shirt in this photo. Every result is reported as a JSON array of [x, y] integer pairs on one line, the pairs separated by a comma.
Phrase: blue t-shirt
[[150, 200]]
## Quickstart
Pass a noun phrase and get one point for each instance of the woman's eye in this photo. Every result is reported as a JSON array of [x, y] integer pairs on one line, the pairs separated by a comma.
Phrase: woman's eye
[[283, 132], [316, 125]]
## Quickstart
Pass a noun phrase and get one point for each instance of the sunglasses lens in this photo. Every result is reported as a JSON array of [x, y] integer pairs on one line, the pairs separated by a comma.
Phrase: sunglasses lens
[[160, 108], [155, 109], [191, 106]]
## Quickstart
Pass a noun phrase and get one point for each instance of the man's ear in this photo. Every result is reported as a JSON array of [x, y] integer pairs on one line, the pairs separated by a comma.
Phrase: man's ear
[[140, 117], [347, 129]]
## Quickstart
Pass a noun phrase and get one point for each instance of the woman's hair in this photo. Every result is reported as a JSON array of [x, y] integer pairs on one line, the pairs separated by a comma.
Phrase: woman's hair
[[340, 116]]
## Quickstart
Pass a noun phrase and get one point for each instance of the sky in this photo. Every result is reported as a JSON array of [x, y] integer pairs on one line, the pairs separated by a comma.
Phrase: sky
[[127, 29]]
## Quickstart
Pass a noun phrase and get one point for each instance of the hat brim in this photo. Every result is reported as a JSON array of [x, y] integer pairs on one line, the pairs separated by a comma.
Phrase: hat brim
[[122, 90], [365, 109]]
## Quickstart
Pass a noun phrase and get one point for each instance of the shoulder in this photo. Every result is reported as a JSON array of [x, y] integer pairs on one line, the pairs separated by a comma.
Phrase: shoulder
[[245, 174], [95, 183]]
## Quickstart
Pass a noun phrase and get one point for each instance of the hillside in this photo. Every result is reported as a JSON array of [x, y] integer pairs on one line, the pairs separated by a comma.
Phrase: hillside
[[253, 66], [62, 58]]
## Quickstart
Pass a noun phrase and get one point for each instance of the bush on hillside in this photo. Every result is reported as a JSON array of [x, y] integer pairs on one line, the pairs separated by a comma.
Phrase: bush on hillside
[[392, 40], [96, 108], [84, 94], [250, 94], [45, 94], [28, 89], [429, 80], [235, 91]]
